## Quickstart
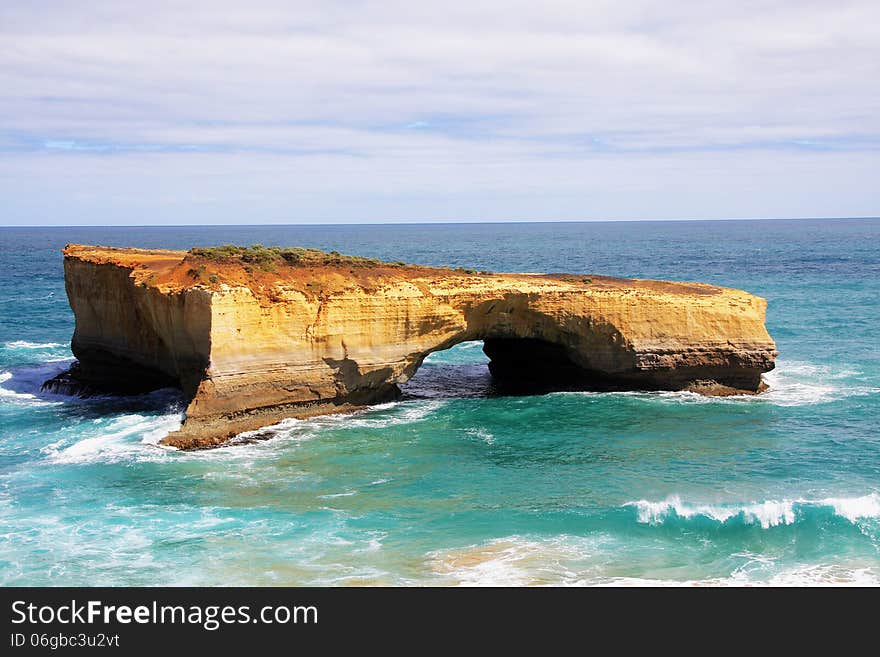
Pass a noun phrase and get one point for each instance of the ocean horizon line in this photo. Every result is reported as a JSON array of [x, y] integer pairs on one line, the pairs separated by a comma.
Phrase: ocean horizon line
[[449, 222]]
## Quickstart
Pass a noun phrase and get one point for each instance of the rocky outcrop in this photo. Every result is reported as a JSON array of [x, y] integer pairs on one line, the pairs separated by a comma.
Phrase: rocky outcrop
[[253, 339]]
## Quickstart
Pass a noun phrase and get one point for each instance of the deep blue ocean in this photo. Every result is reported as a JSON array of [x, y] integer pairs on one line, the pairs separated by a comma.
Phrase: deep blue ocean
[[452, 485]]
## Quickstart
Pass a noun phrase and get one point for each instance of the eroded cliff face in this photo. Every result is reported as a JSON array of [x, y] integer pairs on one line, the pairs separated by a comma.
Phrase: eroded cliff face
[[132, 335], [250, 346]]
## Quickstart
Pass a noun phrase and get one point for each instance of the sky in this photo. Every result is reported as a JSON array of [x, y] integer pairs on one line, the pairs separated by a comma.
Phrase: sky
[[115, 113]]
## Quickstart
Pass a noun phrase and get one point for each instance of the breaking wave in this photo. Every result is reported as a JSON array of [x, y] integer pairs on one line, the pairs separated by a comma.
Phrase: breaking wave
[[797, 383], [124, 438], [767, 514], [22, 384], [135, 436]]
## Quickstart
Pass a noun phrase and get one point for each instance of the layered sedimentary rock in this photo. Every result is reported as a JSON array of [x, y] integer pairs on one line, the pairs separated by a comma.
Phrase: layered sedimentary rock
[[250, 344]]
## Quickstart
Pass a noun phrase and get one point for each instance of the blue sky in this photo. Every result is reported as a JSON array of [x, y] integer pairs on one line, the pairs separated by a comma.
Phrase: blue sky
[[348, 112]]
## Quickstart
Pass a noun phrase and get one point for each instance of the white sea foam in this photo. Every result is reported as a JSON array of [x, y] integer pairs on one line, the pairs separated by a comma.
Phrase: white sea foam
[[24, 344], [7, 395], [826, 575], [759, 570], [373, 543], [657, 512], [285, 427], [798, 383], [855, 508], [517, 561], [22, 384], [77, 550], [767, 514], [792, 383], [379, 416], [482, 434], [263, 440], [407, 412], [124, 438], [266, 441], [806, 575], [566, 560]]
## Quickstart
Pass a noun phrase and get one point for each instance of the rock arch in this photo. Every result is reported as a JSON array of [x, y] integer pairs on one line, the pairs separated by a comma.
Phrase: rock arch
[[250, 348]]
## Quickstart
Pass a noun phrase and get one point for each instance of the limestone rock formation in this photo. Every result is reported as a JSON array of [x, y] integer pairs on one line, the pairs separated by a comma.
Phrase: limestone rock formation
[[253, 336]]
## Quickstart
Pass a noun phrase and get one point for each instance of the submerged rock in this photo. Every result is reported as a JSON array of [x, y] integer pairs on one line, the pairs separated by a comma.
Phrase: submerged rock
[[256, 335]]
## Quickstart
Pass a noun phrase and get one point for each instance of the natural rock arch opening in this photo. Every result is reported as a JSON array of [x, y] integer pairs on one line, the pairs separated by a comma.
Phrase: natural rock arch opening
[[533, 365], [504, 366], [533, 351]]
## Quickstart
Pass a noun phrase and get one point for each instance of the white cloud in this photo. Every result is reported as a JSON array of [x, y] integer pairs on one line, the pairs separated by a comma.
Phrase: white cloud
[[373, 111]]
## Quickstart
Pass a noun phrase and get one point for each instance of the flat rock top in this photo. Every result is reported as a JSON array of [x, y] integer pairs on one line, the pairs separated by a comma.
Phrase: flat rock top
[[321, 274]]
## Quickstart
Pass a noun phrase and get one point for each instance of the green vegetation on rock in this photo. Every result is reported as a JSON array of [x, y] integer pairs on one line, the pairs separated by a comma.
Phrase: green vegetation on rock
[[268, 258]]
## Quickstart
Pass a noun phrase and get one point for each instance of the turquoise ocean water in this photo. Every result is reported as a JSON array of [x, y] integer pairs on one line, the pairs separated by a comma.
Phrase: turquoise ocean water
[[454, 485]]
